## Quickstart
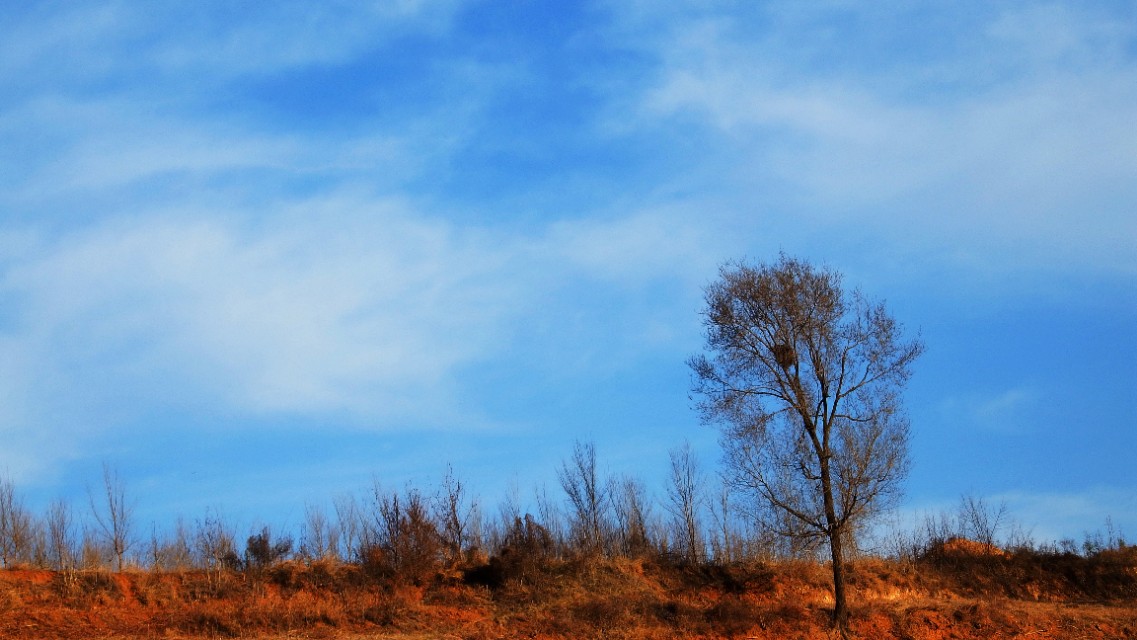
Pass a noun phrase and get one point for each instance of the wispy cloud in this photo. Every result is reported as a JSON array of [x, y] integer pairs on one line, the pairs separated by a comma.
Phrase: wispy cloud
[[1009, 410], [298, 316], [640, 246], [385, 216], [1038, 159], [207, 40], [345, 305]]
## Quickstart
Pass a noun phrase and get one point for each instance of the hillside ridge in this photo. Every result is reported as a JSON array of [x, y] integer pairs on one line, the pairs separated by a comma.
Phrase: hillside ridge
[[947, 593]]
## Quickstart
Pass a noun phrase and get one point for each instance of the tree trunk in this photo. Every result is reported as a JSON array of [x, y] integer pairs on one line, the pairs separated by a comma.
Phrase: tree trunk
[[840, 607]]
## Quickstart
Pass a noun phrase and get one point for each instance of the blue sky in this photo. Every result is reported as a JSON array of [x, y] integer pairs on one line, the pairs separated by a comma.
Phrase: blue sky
[[255, 255]]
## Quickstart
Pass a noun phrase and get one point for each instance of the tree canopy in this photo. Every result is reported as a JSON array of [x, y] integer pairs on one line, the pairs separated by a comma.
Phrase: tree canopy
[[804, 378]]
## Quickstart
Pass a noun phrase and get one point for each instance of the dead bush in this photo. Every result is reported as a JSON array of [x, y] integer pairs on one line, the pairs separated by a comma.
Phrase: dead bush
[[405, 544], [263, 551], [307, 610], [524, 555], [156, 590], [211, 585], [731, 578], [320, 576], [87, 588]]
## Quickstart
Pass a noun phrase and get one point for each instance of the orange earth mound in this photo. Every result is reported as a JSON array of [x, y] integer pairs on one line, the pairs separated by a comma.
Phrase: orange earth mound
[[965, 547], [1072, 597]]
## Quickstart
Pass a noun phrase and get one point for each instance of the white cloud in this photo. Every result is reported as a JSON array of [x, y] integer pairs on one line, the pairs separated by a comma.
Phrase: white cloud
[[117, 155], [1006, 403], [1044, 34], [1033, 170], [166, 262], [369, 312], [282, 35], [339, 304], [208, 39], [102, 146], [667, 241], [1005, 411]]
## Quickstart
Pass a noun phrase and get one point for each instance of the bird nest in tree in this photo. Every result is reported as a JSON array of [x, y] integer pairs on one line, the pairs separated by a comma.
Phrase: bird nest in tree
[[784, 355]]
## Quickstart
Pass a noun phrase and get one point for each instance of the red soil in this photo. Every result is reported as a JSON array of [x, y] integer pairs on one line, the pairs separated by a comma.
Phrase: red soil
[[976, 596]]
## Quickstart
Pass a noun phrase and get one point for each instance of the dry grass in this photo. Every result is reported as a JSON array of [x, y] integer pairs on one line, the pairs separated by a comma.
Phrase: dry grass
[[980, 596]]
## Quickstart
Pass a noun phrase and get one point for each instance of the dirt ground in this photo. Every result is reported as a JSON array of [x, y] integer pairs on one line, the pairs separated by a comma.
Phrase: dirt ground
[[989, 596]]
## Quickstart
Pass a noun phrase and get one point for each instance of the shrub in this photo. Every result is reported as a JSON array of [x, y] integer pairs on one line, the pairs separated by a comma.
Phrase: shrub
[[405, 544], [262, 552], [525, 551]]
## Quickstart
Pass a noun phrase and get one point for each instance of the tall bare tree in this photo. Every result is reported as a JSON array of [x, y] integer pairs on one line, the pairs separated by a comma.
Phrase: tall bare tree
[[587, 496], [804, 378], [632, 510], [215, 545], [684, 500], [979, 520], [352, 530], [17, 526], [728, 544], [172, 550], [455, 511], [113, 515], [551, 518], [59, 527], [319, 535]]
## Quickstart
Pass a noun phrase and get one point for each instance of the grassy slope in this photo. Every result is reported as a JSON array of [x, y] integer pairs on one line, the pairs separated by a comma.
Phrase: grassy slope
[[951, 596]]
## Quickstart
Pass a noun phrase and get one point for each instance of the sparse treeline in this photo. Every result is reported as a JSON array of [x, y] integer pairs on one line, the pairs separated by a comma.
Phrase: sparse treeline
[[408, 531], [415, 533]]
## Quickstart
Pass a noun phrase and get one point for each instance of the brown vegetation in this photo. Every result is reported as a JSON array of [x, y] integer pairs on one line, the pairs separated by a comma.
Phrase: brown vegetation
[[524, 592], [413, 564]]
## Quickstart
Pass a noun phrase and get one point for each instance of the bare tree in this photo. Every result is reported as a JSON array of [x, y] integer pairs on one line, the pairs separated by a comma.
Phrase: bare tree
[[113, 515], [454, 509], [319, 536], [581, 483], [403, 540], [508, 513], [632, 510], [684, 498], [805, 380], [17, 527], [60, 528], [170, 551], [215, 545], [94, 552], [728, 544], [551, 519], [350, 521], [980, 521]]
